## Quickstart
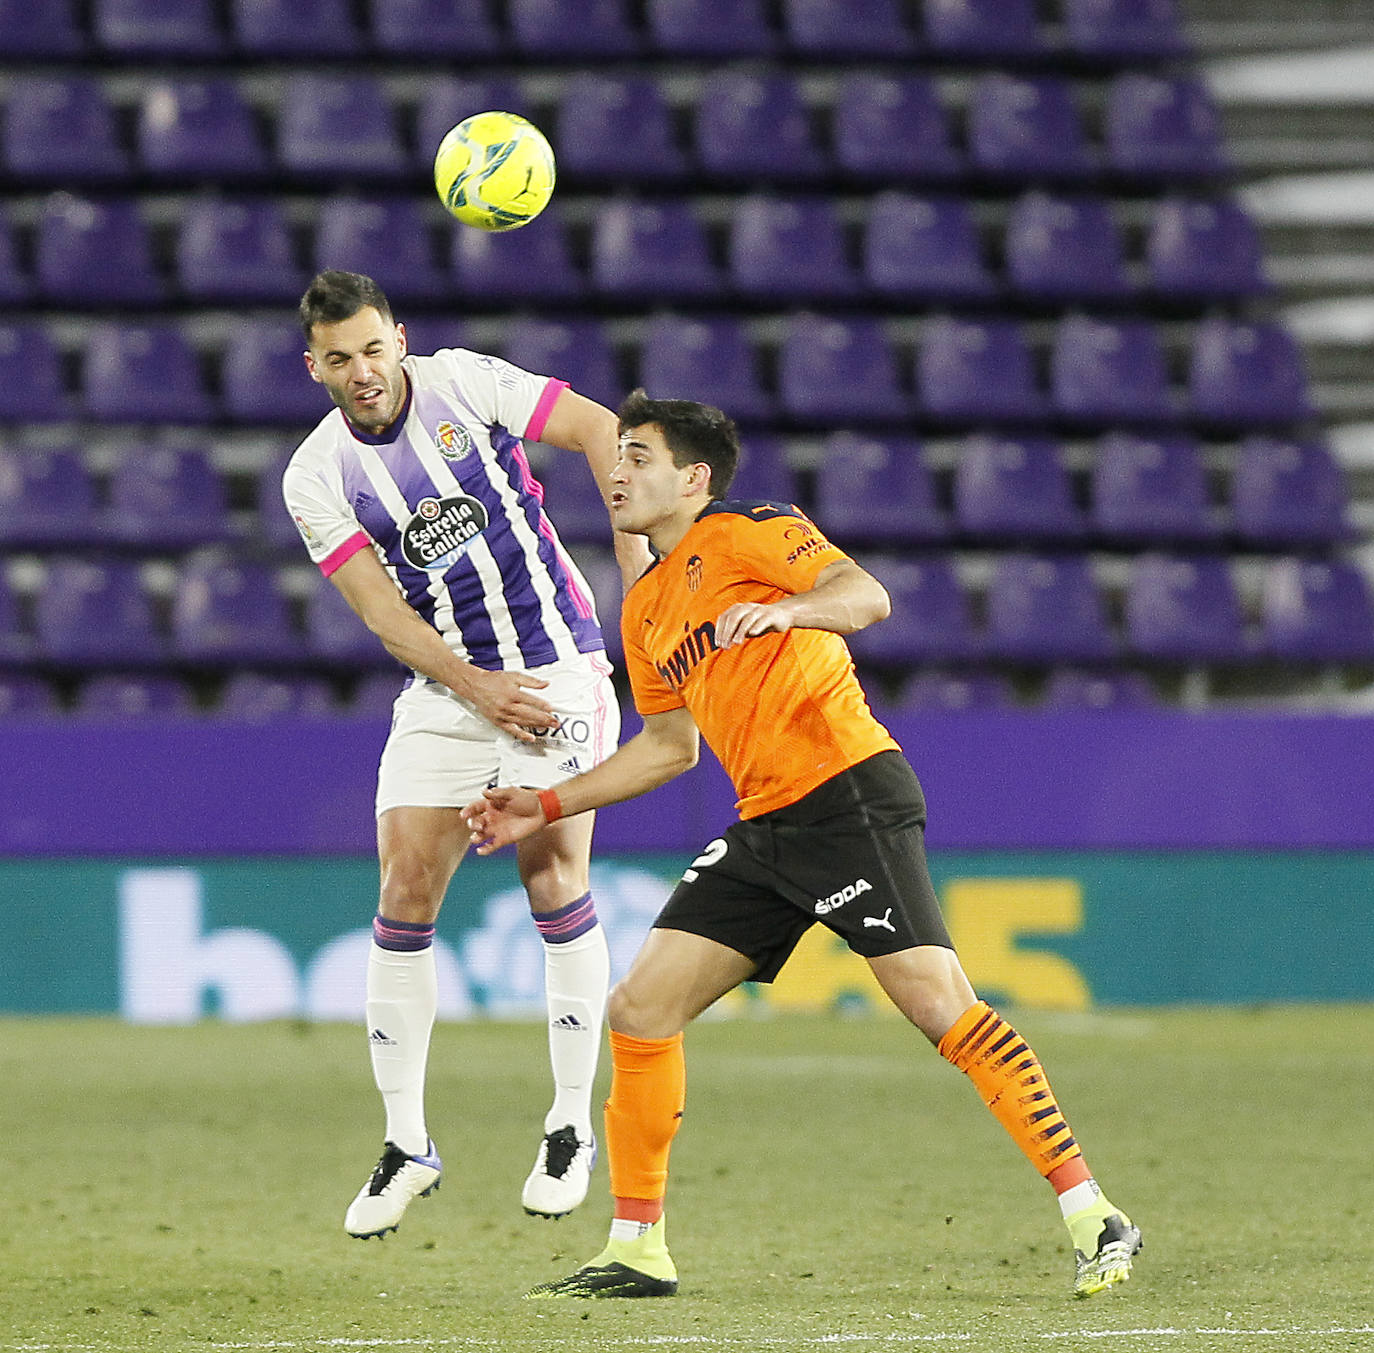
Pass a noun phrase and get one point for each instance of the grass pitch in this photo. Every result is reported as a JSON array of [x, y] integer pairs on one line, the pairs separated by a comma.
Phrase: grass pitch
[[835, 1183]]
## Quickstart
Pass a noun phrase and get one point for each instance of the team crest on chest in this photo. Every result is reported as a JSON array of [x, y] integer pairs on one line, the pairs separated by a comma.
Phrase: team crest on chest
[[452, 441], [694, 573]]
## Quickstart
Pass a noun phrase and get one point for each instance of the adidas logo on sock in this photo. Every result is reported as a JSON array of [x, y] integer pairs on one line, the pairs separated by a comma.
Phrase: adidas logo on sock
[[569, 1022], [380, 1039]]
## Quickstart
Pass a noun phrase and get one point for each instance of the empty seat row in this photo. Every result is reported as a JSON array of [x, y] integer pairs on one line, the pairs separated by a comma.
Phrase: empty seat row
[[742, 127], [971, 30], [1054, 250], [830, 370]]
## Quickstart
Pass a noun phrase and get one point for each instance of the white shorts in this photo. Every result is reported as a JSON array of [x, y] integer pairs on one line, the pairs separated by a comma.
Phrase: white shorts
[[441, 753]]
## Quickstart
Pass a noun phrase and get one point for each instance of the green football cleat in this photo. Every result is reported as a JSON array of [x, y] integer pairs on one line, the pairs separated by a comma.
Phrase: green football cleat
[[625, 1268], [1104, 1242]]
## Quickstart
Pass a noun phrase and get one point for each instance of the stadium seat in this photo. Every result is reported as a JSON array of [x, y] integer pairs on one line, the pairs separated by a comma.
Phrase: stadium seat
[[982, 31], [976, 371], [16, 638], [887, 127], [61, 129], [1317, 611], [443, 101], [263, 377], [559, 29], [1123, 30], [707, 358], [276, 534], [47, 498], [89, 253], [1065, 249], [616, 129], [924, 249], [820, 29], [294, 28], [335, 637], [1288, 493], [755, 128], [1046, 609], [29, 352], [576, 351], [386, 238], [931, 621], [1184, 609], [1246, 375], [789, 249], [121, 695], [833, 370], [237, 251], [709, 28], [764, 473], [532, 263], [1109, 371], [40, 29], [1161, 128], [651, 252], [167, 498], [202, 130], [22, 694], [1027, 129], [230, 614], [453, 29], [374, 695], [329, 125], [1151, 490], [155, 28], [90, 614], [261, 697], [147, 373], [426, 334], [16, 286], [935, 691], [877, 491], [1074, 688], [1016, 488], [1203, 251]]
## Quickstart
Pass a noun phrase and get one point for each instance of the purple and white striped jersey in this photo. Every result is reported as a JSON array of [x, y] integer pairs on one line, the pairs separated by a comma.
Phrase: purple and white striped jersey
[[446, 499]]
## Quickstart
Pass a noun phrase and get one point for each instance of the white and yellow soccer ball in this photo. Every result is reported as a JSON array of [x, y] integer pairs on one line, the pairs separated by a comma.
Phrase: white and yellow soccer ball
[[494, 171]]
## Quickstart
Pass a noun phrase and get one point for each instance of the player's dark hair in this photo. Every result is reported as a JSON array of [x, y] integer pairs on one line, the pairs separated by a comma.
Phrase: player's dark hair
[[694, 433], [335, 295]]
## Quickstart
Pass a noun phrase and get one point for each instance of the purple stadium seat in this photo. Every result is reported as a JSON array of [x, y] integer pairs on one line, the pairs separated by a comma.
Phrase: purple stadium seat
[[1151, 489], [443, 101], [263, 375], [1317, 611], [1162, 128], [275, 531], [789, 249], [576, 351], [977, 371], [985, 31], [878, 491], [571, 28], [232, 614], [1026, 129], [1184, 609], [168, 498], [22, 695], [1204, 250], [1129, 30], [572, 499], [47, 498], [336, 637], [387, 238], [755, 127], [821, 28], [1065, 249], [141, 28], [61, 129], [374, 695], [833, 370], [1014, 487], [924, 249], [16, 286], [339, 124], [931, 620], [39, 29], [1289, 493], [651, 251], [764, 473], [1246, 374], [294, 28], [1108, 371], [260, 697], [616, 129], [1046, 608], [16, 641], [89, 253], [455, 29], [31, 355], [89, 614], [705, 358], [888, 127], [199, 129], [532, 263], [1073, 688], [123, 695], [934, 691], [147, 373], [237, 251], [426, 334], [709, 28]]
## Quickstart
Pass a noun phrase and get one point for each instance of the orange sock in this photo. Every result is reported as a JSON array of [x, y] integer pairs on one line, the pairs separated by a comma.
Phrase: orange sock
[[1012, 1083], [648, 1090]]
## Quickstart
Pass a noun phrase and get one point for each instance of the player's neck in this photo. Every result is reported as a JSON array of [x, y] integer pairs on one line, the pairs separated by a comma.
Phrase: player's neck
[[667, 534]]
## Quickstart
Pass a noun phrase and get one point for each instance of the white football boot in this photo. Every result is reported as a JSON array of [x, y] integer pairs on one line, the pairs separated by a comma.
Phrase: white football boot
[[396, 1181], [562, 1172]]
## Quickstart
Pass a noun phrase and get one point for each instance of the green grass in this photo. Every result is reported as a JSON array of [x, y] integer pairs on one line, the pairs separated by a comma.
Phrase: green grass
[[834, 1183]]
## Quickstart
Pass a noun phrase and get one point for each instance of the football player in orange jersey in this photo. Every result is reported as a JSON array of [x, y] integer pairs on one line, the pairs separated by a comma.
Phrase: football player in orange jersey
[[734, 634]]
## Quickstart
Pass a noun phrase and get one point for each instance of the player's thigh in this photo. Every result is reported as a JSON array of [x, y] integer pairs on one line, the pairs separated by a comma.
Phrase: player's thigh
[[440, 753], [674, 977], [927, 984], [418, 849], [554, 863]]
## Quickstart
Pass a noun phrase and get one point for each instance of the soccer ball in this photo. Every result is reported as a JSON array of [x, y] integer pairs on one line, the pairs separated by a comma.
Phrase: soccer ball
[[494, 171]]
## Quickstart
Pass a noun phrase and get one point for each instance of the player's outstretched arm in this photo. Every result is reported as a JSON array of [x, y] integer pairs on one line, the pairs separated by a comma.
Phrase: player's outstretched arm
[[667, 746], [845, 598]]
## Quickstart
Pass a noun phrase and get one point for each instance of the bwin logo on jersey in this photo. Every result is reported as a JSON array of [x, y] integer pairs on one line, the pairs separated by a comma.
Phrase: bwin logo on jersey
[[848, 893], [453, 442]]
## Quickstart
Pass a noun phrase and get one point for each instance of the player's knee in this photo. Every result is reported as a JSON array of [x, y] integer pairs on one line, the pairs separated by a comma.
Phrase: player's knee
[[632, 1012]]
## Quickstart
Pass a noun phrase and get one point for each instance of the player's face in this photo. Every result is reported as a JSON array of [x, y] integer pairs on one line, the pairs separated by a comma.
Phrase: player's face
[[358, 360], [649, 492]]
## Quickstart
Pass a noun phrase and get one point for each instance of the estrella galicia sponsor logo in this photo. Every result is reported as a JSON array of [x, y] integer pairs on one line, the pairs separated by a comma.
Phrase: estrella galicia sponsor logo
[[452, 441], [440, 530], [825, 905], [684, 658]]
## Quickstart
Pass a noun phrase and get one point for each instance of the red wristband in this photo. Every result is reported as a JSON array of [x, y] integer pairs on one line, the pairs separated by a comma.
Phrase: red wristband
[[548, 801]]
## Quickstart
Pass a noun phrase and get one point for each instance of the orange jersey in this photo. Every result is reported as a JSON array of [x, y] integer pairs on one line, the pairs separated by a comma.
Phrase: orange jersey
[[782, 712]]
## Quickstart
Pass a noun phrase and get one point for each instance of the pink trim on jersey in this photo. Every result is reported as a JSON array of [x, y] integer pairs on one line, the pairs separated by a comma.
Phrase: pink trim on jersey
[[581, 601], [602, 666], [527, 480], [332, 562], [544, 408]]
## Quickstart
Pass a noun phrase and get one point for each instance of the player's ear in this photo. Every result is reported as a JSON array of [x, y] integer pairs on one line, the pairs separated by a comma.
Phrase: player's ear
[[401, 339], [311, 367]]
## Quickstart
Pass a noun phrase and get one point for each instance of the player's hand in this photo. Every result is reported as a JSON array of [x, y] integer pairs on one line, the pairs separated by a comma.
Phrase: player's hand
[[502, 817], [748, 620], [504, 699]]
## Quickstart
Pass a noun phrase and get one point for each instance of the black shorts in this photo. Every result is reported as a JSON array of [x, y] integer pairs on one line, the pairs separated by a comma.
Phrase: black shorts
[[851, 855]]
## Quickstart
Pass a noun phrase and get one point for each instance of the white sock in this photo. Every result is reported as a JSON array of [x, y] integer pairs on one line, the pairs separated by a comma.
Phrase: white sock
[[577, 974], [402, 997], [1080, 1196]]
